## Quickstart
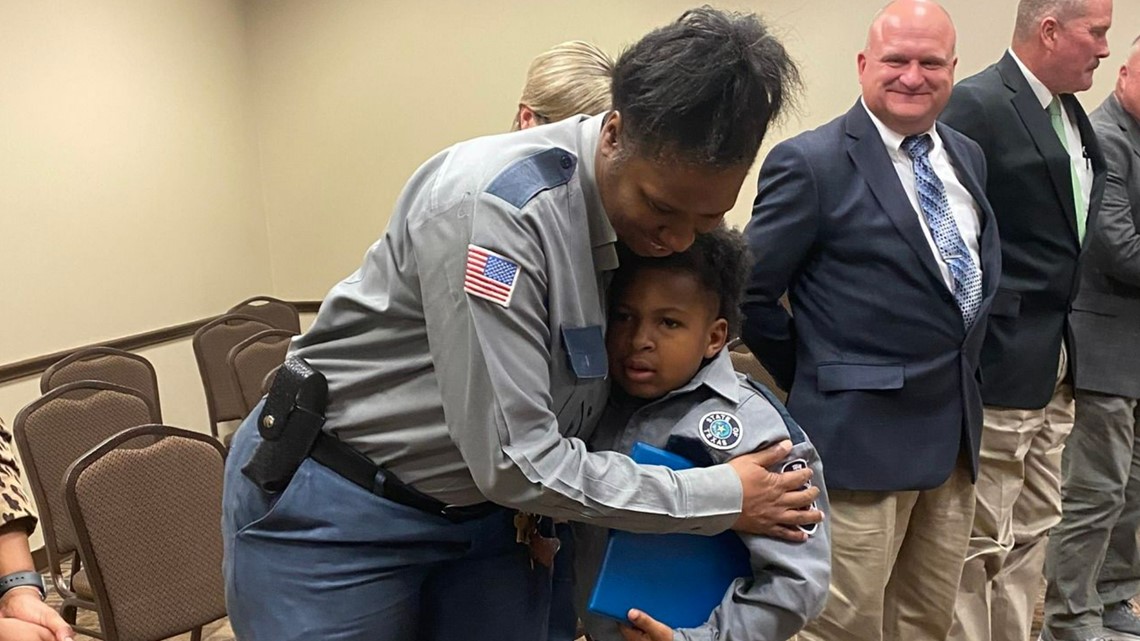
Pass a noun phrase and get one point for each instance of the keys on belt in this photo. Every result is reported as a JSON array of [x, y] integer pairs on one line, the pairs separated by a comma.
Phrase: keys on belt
[[542, 548]]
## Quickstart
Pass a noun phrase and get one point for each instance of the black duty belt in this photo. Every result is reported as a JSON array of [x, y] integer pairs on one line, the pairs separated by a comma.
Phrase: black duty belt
[[354, 466]]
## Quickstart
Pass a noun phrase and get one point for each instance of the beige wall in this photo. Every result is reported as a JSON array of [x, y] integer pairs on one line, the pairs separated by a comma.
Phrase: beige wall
[[129, 187], [352, 96]]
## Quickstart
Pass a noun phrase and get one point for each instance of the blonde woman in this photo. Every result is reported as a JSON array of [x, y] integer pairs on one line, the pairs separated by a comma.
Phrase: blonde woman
[[571, 78]]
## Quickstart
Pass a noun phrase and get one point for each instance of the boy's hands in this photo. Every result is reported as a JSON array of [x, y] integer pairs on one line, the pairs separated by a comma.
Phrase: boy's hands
[[774, 504], [645, 628]]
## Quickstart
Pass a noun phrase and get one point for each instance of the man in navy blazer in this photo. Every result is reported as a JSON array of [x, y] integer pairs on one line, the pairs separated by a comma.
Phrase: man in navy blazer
[[1046, 180], [877, 226]]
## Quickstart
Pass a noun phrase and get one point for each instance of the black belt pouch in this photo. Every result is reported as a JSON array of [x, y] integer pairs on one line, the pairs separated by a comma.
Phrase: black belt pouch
[[289, 423]]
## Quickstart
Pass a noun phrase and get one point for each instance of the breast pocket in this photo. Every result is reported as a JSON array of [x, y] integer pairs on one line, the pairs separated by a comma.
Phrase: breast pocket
[[582, 368]]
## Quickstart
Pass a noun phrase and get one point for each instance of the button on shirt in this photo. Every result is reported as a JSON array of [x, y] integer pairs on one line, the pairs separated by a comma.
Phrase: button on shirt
[[962, 206], [1076, 148], [467, 399]]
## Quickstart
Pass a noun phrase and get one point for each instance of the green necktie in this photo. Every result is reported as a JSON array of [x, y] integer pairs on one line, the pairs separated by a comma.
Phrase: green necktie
[[1055, 116]]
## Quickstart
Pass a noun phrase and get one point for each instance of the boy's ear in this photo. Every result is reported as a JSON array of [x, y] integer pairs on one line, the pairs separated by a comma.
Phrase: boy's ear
[[718, 336]]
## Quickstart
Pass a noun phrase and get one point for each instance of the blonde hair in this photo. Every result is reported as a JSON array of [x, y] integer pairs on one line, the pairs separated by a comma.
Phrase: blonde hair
[[571, 78]]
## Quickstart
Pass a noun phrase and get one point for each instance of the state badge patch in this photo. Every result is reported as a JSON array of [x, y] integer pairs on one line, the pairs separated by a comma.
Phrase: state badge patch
[[720, 430]]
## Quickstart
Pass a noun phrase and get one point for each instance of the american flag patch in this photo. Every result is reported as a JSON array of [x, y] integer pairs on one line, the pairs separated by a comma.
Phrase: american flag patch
[[490, 275]]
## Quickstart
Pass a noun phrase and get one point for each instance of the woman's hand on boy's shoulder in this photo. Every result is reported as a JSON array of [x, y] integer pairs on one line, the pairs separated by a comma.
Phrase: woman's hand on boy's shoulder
[[645, 628], [774, 504]]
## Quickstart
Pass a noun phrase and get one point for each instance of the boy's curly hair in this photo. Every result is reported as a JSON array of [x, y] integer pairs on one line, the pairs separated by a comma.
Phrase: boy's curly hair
[[719, 260]]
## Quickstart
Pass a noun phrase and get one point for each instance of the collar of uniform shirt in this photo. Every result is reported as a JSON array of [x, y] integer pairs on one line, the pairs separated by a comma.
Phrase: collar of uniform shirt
[[894, 140], [718, 375], [601, 231], [1044, 96]]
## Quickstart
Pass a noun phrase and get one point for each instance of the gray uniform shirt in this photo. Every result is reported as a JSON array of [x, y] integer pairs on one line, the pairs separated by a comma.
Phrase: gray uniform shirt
[[789, 583], [470, 399]]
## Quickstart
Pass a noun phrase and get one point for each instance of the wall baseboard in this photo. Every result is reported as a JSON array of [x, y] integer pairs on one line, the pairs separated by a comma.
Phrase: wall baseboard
[[37, 364]]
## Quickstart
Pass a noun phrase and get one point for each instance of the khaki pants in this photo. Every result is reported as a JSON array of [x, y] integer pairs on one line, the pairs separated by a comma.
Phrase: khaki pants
[[1093, 559], [1019, 499], [895, 562]]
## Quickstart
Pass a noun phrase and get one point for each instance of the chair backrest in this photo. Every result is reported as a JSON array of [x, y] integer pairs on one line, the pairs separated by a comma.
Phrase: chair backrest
[[212, 343], [252, 360], [104, 364], [745, 362], [277, 313], [148, 524], [59, 427]]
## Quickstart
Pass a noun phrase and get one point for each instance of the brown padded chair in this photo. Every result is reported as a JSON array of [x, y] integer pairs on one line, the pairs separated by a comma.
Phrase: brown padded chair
[[51, 433], [254, 359], [148, 523], [212, 344], [746, 363], [104, 364], [277, 313]]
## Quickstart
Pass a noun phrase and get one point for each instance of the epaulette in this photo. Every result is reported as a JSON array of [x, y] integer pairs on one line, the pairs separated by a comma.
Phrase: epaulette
[[527, 177]]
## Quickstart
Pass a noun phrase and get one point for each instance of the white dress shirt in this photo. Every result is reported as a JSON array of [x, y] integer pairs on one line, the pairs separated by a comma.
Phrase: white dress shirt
[[1072, 133], [962, 206]]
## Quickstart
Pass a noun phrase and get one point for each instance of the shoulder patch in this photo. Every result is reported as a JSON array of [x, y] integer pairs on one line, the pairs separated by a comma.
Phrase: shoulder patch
[[490, 276], [720, 430], [795, 465], [526, 178], [795, 432]]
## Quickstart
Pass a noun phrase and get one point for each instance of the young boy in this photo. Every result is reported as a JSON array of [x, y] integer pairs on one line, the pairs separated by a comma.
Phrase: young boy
[[674, 387]]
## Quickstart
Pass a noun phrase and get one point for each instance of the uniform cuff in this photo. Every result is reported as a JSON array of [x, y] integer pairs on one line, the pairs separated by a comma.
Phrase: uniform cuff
[[713, 497]]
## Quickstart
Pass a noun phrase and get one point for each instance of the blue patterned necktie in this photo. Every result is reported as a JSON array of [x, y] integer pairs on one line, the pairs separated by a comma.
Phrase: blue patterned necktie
[[936, 208]]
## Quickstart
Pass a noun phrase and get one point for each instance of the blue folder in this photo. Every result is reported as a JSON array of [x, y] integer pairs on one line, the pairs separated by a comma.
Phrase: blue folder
[[678, 579]]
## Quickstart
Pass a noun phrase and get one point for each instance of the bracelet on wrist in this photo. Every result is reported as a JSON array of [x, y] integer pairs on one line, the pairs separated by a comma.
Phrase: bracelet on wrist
[[27, 579]]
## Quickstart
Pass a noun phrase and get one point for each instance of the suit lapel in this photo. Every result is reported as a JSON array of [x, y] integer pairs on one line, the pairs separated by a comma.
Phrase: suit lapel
[[1131, 128], [1036, 121], [1126, 122], [866, 149]]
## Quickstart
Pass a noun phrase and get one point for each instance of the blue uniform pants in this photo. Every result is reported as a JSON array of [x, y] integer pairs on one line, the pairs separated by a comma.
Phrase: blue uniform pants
[[563, 618], [327, 560]]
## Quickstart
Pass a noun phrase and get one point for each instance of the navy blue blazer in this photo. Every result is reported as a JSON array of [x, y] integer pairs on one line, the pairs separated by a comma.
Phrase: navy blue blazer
[[882, 373]]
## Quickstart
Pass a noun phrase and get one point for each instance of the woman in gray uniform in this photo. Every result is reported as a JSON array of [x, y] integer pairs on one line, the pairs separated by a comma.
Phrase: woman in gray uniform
[[465, 360]]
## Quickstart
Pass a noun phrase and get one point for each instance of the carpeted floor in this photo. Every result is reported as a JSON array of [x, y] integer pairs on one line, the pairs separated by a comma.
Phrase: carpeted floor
[[220, 630]]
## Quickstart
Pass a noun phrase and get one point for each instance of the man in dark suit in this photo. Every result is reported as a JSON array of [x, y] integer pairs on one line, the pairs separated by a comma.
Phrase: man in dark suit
[[877, 226], [1092, 562], [1046, 175]]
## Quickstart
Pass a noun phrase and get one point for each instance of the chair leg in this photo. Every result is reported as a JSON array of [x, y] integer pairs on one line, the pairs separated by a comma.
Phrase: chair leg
[[196, 634], [68, 612]]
